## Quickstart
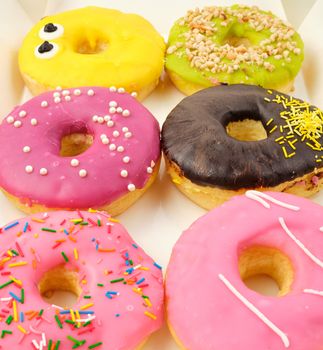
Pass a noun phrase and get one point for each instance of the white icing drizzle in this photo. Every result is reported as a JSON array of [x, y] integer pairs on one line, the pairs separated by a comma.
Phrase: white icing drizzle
[[260, 197], [315, 259], [313, 291], [256, 311]]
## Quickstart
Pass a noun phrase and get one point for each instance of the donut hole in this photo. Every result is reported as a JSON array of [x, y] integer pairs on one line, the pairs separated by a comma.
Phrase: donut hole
[[266, 270], [91, 47], [236, 41], [246, 130], [60, 286], [75, 142]]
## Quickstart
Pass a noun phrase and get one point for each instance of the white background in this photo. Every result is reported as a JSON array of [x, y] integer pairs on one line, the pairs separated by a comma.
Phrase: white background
[[158, 218]]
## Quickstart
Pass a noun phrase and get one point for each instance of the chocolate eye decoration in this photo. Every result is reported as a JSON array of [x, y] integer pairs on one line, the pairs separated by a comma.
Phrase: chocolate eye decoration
[[46, 50], [51, 31]]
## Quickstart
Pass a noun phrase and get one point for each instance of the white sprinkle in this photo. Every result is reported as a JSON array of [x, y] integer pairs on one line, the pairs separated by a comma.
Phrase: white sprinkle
[[59, 88], [65, 92], [82, 173], [113, 104], [112, 147], [44, 104], [110, 123], [321, 229], [57, 100], [315, 259], [126, 159], [121, 90], [112, 110], [152, 163], [56, 94], [77, 92], [131, 187], [124, 173], [100, 120], [134, 94], [149, 170], [43, 171], [128, 135], [113, 89], [22, 114], [256, 311], [103, 136], [126, 113], [312, 291], [95, 118], [105, 141], [119, 110], [26, 149], [75, 162], [17, 124], [67, 98], [125, 129], [29, 169], [260, 196], [120, 149], [116, 133], [90, 92], [34, 121], [10, 119], [107, 118]]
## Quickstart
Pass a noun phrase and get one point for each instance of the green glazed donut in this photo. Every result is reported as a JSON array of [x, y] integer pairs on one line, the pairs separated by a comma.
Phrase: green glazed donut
[[233, 45]]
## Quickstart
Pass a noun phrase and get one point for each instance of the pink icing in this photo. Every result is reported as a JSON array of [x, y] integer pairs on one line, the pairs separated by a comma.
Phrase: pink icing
[[32, 169], [203, 281], [121, 321]]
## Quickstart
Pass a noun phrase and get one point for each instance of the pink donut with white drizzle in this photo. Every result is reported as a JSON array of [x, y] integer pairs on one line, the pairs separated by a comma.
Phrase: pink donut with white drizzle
[[118, 136], [119, 287], [208, 304]]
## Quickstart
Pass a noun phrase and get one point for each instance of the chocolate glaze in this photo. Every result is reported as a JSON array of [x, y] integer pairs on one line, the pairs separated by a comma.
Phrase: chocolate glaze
[[194, 137]]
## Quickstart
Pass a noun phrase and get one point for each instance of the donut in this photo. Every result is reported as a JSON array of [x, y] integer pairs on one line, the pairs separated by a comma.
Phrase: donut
[[119, 288], [233, 45], [81, 148], [92, 46], [240, 137], [208, 304]]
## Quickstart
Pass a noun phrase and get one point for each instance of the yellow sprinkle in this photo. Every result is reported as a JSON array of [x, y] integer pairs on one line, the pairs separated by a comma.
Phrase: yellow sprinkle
[[137, 290], [9, 253], [273, 129], [87, 306], [267, 99], [4, 260], [92, 210], [72, 315], [36, 235], [176, 181], [270, 121], [78, 317], [269, 92], [76, 254], [144, 268], [114, 220], [38, 220], [148, 302], [291, 155], [84, 281], [279, 138], [15, 311], [15, 280], [76, 221], [291, 145], [149, 314], [21, 263], [285, 152], [22, 329]]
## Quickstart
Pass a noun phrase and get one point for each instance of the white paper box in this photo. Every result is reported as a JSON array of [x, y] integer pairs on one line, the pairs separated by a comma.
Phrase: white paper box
[[157, 219]]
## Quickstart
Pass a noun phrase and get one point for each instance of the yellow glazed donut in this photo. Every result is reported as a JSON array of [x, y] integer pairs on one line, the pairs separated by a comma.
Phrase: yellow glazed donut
[[92, 46]]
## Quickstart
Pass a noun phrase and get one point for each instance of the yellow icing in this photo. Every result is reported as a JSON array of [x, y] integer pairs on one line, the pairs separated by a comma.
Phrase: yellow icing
[[126, 51]]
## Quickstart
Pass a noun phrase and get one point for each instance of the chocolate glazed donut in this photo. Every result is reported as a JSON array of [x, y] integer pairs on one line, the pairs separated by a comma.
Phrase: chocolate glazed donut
[[210, 166]]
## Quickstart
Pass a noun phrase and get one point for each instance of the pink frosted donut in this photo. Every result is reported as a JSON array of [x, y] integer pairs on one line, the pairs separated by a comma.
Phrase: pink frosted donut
[[208, 304], [119, 287], [120, 164]]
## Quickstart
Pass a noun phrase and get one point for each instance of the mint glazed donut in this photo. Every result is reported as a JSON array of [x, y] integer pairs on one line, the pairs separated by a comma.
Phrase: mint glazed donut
[[233, 45]]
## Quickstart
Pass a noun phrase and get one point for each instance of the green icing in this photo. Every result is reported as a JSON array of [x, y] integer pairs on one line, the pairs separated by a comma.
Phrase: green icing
[[284, 71]]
